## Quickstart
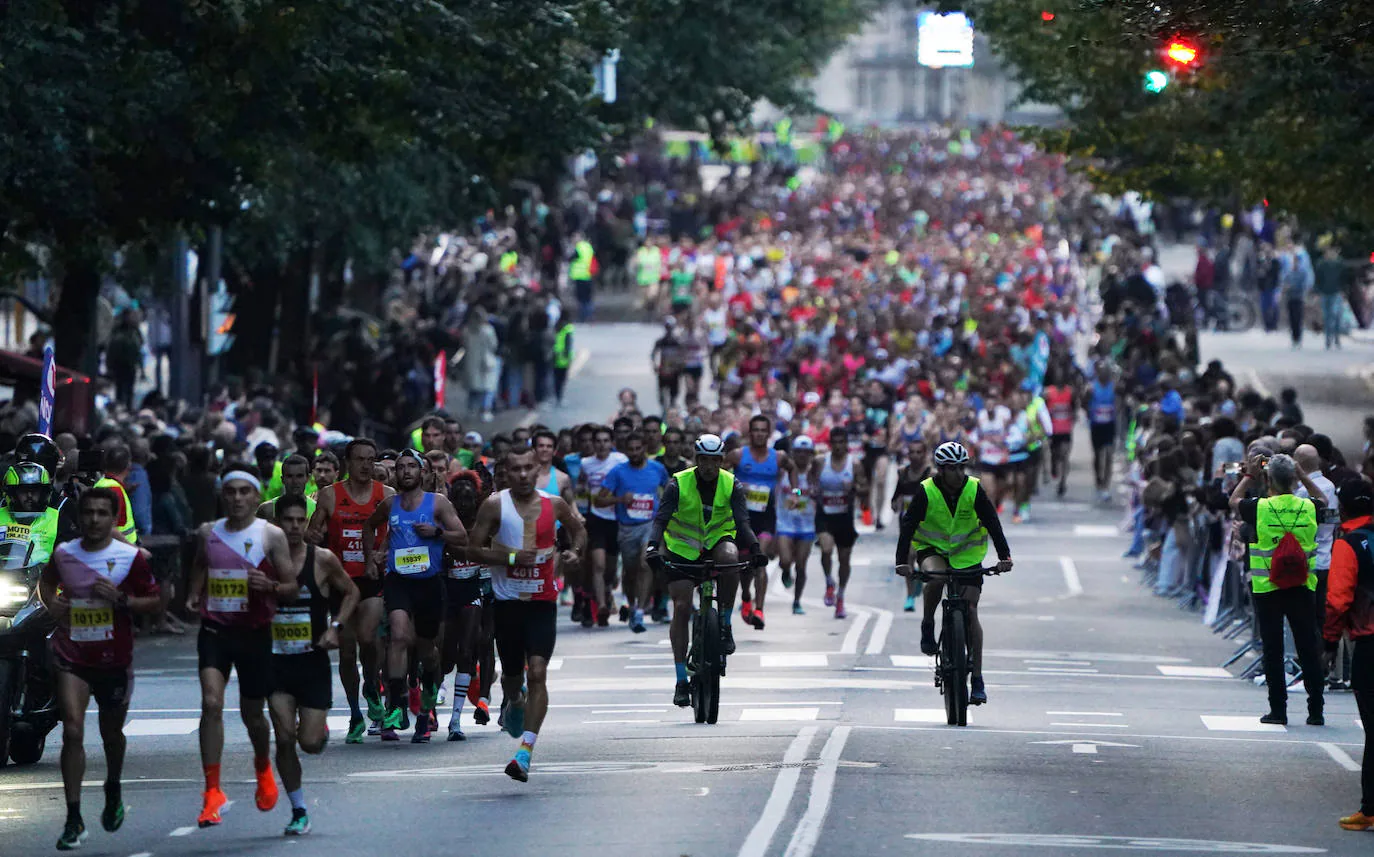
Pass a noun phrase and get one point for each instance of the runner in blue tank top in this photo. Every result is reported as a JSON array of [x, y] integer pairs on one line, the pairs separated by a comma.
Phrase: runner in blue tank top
[[757, 466], [419, 525]]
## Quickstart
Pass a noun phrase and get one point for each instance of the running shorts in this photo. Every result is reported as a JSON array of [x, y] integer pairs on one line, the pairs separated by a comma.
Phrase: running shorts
[[603, 534], [248, 650], [421, 597], [524, 630], [111, 687], [840, 527], [307, 678]]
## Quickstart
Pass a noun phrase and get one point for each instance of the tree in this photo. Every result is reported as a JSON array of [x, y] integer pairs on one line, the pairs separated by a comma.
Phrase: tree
[[1279, 108]]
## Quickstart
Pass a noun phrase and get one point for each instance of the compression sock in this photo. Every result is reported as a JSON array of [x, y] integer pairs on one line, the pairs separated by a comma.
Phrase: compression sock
[[74, 809], [112, 793], [297, 799], [681, 669], [527, 741], [212, 778], [461, 683], [355, 710]]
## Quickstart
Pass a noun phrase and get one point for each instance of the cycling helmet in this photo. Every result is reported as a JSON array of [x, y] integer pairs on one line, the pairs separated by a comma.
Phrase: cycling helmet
[[39, 449], [950, 453], [709, 444]]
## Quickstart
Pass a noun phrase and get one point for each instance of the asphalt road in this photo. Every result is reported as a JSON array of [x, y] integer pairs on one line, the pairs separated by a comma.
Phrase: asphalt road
[[1111, 727]]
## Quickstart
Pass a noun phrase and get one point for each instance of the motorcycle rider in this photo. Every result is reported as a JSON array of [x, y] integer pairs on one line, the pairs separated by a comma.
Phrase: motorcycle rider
[[28, 525]]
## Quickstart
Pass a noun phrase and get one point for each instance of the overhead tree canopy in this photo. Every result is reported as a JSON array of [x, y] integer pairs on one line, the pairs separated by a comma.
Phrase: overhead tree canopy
[[1280, 106]]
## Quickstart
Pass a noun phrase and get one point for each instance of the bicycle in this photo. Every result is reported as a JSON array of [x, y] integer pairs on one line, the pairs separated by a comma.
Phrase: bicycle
[[951, 661], [705, 660]]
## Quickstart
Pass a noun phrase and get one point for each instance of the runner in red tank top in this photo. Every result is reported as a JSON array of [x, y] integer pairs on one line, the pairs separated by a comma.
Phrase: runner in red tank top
[[338, 525]]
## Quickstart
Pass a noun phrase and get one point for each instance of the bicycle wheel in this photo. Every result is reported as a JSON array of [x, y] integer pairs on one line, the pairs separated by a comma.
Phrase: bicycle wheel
[[711, 663], [694, 663], [954, 655]]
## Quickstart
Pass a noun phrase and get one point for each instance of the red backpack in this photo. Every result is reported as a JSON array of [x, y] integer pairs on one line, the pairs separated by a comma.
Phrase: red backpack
[[1288, 564]]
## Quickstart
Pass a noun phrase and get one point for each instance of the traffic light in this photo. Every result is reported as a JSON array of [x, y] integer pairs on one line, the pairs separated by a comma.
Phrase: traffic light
[[221, 326], [1047, 16], [1156, 81], [1181, 53]]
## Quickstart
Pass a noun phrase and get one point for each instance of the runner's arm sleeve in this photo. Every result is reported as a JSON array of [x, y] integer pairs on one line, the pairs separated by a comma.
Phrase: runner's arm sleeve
[[987, 516], [667, 507], [914, 513]]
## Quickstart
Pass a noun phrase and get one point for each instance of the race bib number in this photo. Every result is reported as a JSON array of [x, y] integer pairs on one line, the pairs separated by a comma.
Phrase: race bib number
[[834, 504], [641, 507], [528, 580], [1103, 413], [92, 620], [352, 545], [411, 560], [227, 590], [291, 632], [756, 497], [463, 570]]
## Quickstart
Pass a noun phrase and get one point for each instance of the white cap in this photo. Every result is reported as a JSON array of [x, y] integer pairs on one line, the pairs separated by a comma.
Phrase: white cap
[[803, 442]]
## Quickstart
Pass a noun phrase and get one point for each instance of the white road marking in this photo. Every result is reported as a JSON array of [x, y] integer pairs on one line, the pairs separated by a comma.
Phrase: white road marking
[[1059, 663], [919, 715], [1061, 670], [1071, 581], [1224, 723], [1342, 758], [1096, 530], [705, 790], [779, 715], [851, 640], [808, 831], [775, 810], [793, 661], [555, 664], [1192, 672], [161, 726], [142, 854], [630, 711], [182, 831], [1109, 657], [1096, 725], [1086, 713], [619, 722], [878, 639], [1064, 842], [913, 660], [1090, 749]]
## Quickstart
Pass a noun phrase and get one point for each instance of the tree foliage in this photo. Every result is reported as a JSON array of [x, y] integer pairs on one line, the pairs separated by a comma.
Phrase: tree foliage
[[1279, 108]]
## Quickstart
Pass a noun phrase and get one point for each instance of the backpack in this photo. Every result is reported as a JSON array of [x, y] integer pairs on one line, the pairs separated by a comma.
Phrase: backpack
[[1288, 564]]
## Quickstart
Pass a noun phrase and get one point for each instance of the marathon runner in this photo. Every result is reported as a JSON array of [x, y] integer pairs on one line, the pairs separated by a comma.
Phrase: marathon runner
[[302, 637], [324, 471], [514, 537], [464, 606], [1102, 427], [916, 471], [837, 482], [295, 475], [419, 525], [1062, 402], [758, 468], [341, 511], [948, 524], [633, 489], [103, 581], [797, 518], [703, 509], [242, 569], [602, 534]]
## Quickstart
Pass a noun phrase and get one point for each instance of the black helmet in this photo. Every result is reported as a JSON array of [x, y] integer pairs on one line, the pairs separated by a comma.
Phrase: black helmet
[[39, 449]]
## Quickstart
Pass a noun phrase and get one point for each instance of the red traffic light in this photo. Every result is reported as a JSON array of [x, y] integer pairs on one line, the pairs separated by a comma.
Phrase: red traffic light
[[1047, 16], [1181, 52]]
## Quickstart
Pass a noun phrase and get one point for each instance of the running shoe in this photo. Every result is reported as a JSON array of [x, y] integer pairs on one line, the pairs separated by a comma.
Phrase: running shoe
[[455, 732], [1016, 517], [589, 614], [413, 699], [1355, 821], [624, 612], [979, 694], [519, 767], [829, 594], [375, 710], [266, 793], [787, 578], [512, 719], [746, 611], [1025, 514], [603, 618], [839, 608], [757, 620], [909, 605], [299, 825], [727, 640], [394, 721], [565, 597], [374, 728], [73, 836], [798, 610], [928, 644], [112, 818], [682, 694], [481, 714], [422, 729], [212, 801], [637, 622], [579, 607]]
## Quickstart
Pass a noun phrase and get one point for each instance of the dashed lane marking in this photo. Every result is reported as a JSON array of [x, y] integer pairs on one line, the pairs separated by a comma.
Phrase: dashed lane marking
[[1192, 672], [1226, 723], [779, 715], [1065, 842], [810, 660], [919, 715]]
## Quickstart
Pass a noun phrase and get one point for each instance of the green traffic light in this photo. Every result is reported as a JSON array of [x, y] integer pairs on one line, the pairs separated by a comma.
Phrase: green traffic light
[[1156, 81]]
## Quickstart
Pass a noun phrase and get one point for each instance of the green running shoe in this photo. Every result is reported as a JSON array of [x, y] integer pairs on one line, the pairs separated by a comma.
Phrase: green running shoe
[[375, 709], [395, 719], [113, 817], [300, 824], [357, 728], [73, 836]]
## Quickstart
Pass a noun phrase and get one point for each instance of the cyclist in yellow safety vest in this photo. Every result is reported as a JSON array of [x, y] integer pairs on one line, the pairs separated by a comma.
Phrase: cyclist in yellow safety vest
[[1272, 518], [948, 524], [28, 525], [701, 511]]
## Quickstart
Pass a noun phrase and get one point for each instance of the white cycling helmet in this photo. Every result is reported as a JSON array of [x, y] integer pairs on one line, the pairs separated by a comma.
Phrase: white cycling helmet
[[709, 444], [950, 453]]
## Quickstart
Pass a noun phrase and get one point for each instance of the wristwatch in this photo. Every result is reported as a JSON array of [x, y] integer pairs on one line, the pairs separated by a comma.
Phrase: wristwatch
[[336, 625]]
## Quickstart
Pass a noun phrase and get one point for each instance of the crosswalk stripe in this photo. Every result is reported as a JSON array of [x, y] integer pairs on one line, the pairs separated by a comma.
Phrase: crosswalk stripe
[[919, 715], [1226, 723], [778, 715]]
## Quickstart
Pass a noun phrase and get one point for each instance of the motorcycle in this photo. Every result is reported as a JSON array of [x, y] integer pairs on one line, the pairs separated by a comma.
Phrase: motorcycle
[[28, 700]]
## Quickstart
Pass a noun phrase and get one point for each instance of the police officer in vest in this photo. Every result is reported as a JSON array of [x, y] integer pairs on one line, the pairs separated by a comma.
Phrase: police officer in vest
[[562, 356], [28, 525], [580, 272], [116, 466], [1281, 576], [948, 524], [702, 511]]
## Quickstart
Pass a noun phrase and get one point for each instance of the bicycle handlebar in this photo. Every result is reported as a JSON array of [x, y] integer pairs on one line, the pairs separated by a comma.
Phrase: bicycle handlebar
[[927, 576], [700, 568]]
